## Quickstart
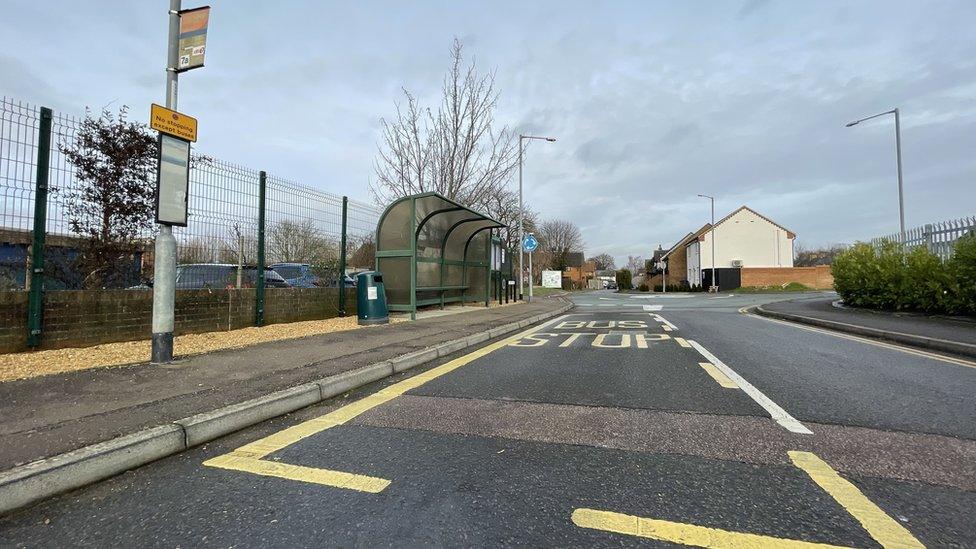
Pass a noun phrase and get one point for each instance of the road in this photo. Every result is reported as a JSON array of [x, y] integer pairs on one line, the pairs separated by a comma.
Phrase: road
[[633, 420]]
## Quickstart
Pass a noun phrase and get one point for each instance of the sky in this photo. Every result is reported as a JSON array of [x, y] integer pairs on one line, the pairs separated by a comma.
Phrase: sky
[[651, 102]]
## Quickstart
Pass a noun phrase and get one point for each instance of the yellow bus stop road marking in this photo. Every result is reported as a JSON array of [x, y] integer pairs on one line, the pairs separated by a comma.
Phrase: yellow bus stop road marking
[[685, 534], [681, 341], [882, 528], [718, 376], [885, 530], [249, 458]]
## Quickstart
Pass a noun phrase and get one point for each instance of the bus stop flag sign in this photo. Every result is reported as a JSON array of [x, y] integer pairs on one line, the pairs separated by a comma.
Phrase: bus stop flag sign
[[529, 243], [193, 38]]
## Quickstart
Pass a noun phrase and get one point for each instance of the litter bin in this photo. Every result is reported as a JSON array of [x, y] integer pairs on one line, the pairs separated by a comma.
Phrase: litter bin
[[371, 298]]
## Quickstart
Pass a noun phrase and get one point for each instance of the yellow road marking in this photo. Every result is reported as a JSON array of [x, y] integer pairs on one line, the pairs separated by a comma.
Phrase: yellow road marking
[[600, 341], [685, 534], [338, 479], [681, 341], [718, 376], [908, 350], [884, 529], [572, 338], [248, 458], [665, 327]]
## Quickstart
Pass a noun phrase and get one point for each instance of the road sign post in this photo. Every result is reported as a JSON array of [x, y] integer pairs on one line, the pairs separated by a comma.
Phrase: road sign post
[[529, 244]]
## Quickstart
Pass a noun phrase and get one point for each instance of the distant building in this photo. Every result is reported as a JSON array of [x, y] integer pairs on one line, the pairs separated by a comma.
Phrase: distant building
[[744, 238]]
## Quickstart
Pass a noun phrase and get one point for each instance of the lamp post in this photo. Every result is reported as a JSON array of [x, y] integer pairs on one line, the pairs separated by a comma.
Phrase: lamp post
[[714, 272], [901, 196], [522, 208]]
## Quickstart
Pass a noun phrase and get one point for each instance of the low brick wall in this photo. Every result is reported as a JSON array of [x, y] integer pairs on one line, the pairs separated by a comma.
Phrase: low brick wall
[[13, 320], [80, 318], [818, 277]]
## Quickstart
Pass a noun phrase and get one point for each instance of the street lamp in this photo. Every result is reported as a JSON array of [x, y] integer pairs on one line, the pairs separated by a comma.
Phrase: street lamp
[[522, 209], [901, 196], [714, 272]]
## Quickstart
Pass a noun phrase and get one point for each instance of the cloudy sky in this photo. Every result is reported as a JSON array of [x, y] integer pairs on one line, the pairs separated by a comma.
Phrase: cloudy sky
[[651, 102]]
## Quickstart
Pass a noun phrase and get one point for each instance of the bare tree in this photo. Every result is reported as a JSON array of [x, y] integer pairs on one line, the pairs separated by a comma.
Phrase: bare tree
[[299, 242], [364, 256], [199, 250], [635, 264], [240, 247], [557, 238], [503, 206], [809, 257], [603, 262], [455, 151]]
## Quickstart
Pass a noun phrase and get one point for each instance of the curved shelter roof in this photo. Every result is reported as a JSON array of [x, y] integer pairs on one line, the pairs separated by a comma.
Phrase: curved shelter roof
[[432, 249]]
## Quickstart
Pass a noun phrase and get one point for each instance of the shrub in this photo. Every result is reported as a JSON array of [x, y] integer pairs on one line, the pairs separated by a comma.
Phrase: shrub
[[683, 287], [962, 268], [868, 279], [889, 278], [624, 279], [643, 288], [928, 285]]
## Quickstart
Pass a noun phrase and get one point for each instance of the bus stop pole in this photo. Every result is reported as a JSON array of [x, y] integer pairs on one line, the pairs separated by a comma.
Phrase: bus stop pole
[[164, 260]]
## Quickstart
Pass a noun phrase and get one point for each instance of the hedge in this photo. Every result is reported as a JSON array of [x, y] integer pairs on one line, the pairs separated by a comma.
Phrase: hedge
[[891, 279]]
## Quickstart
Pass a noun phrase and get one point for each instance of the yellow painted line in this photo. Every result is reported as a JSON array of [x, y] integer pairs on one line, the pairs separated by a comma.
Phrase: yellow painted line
[[326, 477], [684, 534], [681, 341], [894, 347], [884, 529], [718, 375], [248, 458], [666, 328]]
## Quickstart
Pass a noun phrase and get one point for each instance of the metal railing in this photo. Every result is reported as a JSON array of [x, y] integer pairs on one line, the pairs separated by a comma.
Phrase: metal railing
[[304, 227], [939, 238]]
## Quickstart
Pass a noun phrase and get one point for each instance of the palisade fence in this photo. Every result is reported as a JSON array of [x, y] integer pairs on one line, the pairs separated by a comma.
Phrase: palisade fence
[[939, 238], [95, 291]]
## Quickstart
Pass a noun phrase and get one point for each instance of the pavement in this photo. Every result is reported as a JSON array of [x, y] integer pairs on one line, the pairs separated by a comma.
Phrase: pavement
[[940, 333], [51, 415], [631, 420]]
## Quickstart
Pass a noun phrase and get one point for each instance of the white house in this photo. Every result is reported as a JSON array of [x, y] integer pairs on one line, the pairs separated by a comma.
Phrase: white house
[[744, 238]]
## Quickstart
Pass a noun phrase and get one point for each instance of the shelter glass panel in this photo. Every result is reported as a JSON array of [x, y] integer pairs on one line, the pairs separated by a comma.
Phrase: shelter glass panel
[[396, 278], [395, 228]]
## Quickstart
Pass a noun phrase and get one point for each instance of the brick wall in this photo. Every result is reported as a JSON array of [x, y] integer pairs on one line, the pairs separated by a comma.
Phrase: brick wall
[[79, 318], [13, 320], [818, 277], [677, 270], [677, 266]]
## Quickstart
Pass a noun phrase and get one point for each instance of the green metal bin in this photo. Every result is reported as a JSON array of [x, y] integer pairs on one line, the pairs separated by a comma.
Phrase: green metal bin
[[371, 298]]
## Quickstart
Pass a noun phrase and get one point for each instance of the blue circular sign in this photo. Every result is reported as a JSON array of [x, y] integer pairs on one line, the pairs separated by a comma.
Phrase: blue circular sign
[[529, 243]]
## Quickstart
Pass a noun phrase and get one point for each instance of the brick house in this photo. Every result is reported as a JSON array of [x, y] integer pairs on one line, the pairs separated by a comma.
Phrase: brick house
[[758, 248]]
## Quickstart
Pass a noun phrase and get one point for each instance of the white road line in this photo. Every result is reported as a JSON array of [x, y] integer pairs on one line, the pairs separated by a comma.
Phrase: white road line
[[778, 414], [662, 320], [653, 307]]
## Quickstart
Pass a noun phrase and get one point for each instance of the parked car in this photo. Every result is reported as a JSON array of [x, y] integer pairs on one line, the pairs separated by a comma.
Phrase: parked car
[[350, 282], [299, 275], [196, 276], [611, 286]]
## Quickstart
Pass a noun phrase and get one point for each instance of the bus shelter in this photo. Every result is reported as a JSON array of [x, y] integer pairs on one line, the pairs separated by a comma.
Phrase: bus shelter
[[432, 250]]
